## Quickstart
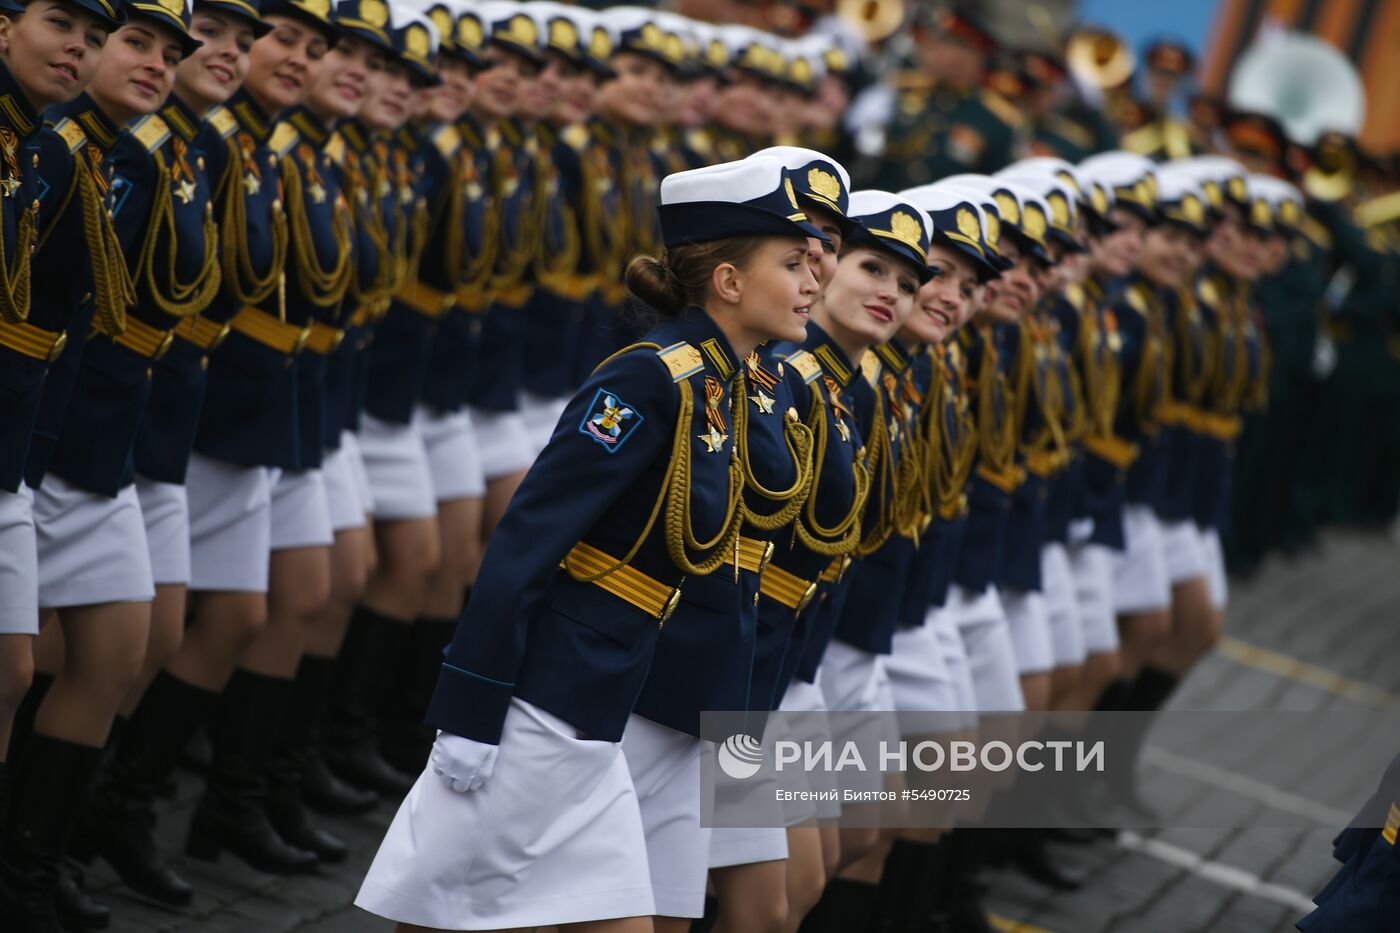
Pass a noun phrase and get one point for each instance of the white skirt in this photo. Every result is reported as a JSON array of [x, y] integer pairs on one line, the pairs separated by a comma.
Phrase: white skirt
[[343, 501], [397, 463], [1057, 579], [166, 511], [503, 441], [919, 677], [805, 706], [541, 416], [1140, 579], [945, 626], [230, 525], [1092, 565], [665, 769], [92, 549], [991, 657], [852, 684], [554, 836], [1028, 620], [350, 444], [1214, 556], [1181, 543], [301, 517], [454, 454], [747, 845], [19, 565]]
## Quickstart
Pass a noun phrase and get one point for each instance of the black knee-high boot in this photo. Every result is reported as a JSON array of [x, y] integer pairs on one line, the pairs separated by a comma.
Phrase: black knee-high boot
[[119, 822], [846, 907], [286, 807], [1145, 697], [28, 708], [403, 738], [51, 781], [231, 815], [374, 647], [320, 788]]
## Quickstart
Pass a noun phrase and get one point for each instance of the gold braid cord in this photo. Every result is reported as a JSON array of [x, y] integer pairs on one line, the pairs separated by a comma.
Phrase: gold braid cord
[[839, 539], [324, 288], [882, 471], [242, 280], [995, 421], [375, 294], [798, 438], [175, 298], [472, 270], [15, 276], [950, 452], [674, 496], [112, 288]]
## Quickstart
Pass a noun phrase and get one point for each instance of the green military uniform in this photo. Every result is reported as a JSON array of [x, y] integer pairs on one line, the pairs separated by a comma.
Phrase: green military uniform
[[938, 130]]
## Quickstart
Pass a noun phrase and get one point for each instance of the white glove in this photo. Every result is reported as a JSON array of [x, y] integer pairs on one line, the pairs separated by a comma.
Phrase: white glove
[[463, 764]]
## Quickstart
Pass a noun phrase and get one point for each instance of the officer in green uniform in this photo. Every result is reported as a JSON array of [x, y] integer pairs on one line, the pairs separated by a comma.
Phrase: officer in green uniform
[[944, 121], [1164, 136]]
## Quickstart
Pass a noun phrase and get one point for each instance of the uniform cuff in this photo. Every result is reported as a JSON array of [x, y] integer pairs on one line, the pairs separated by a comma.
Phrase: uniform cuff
[[469, 705]]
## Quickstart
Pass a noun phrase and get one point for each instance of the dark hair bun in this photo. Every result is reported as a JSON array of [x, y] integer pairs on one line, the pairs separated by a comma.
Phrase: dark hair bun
[[653, 282]]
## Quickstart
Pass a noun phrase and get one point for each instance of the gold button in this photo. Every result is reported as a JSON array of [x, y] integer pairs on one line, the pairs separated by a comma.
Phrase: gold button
[[204, 362], [56, 348]]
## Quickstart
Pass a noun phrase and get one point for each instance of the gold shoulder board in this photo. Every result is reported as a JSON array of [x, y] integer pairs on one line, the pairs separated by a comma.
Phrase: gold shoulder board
[[335, 148], [284, 137], [682, 360], [1136, 299], [448, 141], [575, 136], [1144, 140], [806, 365], [151, 132], [1074, 294], [1002, 108], [1207, 292], [870, 367], [222, 121], [71, 133]]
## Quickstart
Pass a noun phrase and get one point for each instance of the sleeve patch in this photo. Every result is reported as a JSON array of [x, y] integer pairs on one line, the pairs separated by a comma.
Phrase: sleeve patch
[[610, 421]]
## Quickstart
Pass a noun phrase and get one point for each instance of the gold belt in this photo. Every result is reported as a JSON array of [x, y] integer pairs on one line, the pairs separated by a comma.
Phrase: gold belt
[[787, 588], [1006, 480], [202, 332], [324, 339], [752, 555], [1044, 463], [627, 583], [34, 342], [257, 324], [836, 569], [1115, 450], [142, 338], [425, 299]]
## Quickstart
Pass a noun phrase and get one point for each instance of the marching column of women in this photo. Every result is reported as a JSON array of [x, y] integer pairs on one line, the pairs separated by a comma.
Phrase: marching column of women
[[447, 404]]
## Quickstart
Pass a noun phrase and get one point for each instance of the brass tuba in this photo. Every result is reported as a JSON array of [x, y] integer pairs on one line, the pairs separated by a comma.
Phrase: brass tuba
[[1315, 92], [1099, 58], [876, 20]]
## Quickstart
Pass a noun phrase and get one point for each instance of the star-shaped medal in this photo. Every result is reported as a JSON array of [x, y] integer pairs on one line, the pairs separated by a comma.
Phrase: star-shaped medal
[[252, 184], [317, 192], [764, 403], [185, 191], [9, 186], [714, 440]]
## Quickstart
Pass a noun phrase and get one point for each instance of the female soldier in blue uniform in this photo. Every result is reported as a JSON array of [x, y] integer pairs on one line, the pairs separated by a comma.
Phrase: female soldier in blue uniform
[[119, 823], [747, 865], [639, 491], [399, 491], [36, 36], [343, 82]]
